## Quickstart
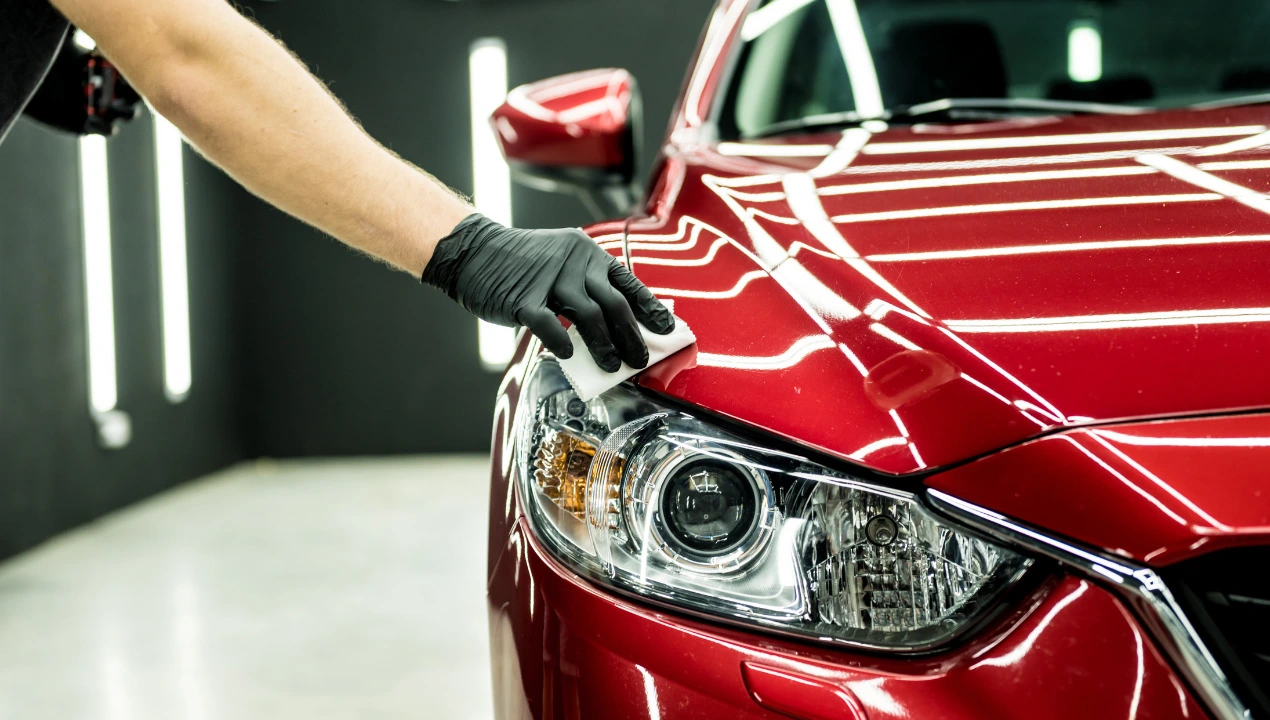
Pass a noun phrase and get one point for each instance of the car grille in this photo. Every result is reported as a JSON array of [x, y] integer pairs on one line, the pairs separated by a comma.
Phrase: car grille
[[1226, 595]]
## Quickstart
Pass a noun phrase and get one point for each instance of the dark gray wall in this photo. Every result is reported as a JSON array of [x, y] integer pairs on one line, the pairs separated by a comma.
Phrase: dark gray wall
[[300, 346], [53, 475], [342, 355]]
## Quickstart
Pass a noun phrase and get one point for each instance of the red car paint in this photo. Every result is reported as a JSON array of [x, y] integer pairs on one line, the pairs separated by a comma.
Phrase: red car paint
[[1052, 297], [563, 649], [962, 300], [580, 120], [1155, 492]]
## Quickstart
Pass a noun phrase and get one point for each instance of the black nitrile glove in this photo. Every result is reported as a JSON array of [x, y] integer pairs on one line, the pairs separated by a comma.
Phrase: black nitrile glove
[[527, 277]]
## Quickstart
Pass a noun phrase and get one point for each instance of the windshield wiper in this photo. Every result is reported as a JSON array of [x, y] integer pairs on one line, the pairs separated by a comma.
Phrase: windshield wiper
[[1257, 99], [951, 108], [1028, 104]]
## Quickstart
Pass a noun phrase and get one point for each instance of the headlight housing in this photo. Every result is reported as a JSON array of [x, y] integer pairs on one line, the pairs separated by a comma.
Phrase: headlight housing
[[658, 503]]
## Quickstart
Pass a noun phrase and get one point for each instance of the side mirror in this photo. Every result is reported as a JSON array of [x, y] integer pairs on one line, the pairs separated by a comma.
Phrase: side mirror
[[576, 133]]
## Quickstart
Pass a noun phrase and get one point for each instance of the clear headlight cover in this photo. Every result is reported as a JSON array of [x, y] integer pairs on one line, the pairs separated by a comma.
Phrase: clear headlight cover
[[663, 505]]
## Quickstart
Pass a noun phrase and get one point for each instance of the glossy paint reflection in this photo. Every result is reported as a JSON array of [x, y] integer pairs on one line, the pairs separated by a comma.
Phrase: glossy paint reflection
[[1026, 666], [909, 298], [578, 120], [1155, 492], [918, 261]]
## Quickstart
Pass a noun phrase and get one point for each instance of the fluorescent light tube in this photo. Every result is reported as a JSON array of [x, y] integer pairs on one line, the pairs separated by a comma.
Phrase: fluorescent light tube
[[173, 274], [491, 178], [98, 280]]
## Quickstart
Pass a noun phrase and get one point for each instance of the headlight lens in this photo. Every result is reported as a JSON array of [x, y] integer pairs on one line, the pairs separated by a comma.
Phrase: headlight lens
[[658, 503]]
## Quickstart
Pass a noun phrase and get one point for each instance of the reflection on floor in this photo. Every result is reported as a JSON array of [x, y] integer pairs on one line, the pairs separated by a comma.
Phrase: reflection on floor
[[331, 589]]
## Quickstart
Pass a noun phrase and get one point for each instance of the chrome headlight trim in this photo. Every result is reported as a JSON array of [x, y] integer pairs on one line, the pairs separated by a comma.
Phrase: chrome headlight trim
[[794, 572], [1140, 586]]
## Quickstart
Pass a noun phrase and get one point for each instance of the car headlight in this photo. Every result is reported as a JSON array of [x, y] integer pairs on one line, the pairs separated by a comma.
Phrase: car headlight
[[658, 503]]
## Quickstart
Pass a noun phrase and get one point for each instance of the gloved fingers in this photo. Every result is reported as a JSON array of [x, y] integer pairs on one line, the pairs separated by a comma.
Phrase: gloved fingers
[[589, 319], [623, 328], [648, 309], [546, 327]]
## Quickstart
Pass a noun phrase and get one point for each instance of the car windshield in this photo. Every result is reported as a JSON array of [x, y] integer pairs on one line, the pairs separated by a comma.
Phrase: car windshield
[[815, 63]]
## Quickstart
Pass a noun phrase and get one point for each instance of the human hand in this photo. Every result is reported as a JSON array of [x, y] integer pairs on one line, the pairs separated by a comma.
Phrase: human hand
[[527, 277]]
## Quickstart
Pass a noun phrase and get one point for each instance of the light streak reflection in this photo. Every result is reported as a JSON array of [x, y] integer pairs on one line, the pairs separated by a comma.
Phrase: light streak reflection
[[894, 337], [1236, 165], [1199, 178], [985, 179], [1126, 481], [1136, 702], [827, 303], [680, 262], [773, 150], [1023, 648], [1023, 206], [807, 207], [732, 292], [722, 21], [1002, 162], [877, 445], [874, 696], [791, 357], [1160, 483], [1115, 321], [993, 393], [1248, 143], [1031, 141], [853, 140], [800, 191], [1212, 442], [1081, 247]]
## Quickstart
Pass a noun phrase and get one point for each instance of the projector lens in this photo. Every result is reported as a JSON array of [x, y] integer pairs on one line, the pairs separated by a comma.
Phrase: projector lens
[[710, 507]]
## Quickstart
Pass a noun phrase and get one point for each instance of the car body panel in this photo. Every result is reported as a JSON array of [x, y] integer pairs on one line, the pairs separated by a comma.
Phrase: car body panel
[[1026, 314], [949, 295], [579, 120], [563, 649], [1157, 492]]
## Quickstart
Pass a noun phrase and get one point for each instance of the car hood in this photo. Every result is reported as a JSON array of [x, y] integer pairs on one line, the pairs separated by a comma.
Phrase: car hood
[[915, 297]]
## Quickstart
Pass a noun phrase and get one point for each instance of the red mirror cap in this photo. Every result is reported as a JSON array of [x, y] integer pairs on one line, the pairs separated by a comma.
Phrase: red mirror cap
[[800, 696], [576, 120]]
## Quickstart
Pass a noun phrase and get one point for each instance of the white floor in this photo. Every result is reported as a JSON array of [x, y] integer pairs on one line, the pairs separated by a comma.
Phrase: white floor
[[324, 589]]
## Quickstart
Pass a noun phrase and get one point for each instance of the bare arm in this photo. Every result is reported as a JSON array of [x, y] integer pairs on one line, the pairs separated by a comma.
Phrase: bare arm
[[254, 110]]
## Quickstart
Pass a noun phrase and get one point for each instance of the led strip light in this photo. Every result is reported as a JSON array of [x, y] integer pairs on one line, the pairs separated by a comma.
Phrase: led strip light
[[491, 178]]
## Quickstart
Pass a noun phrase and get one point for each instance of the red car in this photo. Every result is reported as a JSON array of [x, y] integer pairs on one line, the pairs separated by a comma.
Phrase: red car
[[977, 424]]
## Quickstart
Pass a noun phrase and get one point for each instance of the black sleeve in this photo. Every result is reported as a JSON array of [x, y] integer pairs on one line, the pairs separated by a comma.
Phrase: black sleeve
[[60, 101], [31, 31]]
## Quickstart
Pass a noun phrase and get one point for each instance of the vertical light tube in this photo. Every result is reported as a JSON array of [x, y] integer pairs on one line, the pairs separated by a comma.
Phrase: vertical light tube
[[491, 178], [98, 281], [174, 279], [1084, 51], [83, 41]]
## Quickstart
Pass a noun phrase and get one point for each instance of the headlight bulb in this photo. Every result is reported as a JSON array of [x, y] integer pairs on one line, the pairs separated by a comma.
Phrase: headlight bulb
[[881, 530], [709, 507]]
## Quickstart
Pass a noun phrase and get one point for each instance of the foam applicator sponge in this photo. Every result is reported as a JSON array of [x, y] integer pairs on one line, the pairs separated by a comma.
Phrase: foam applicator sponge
[[589, 381]]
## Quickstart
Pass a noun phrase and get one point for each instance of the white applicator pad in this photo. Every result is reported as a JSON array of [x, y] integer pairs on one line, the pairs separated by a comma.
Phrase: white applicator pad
[[589, 380]]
